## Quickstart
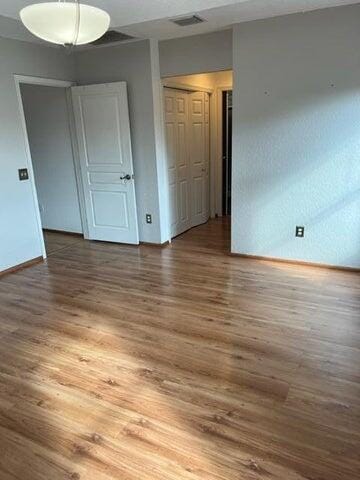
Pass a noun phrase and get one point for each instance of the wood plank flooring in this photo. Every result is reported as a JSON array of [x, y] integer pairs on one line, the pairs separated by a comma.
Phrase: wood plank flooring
[[145, 363], [55, 241]]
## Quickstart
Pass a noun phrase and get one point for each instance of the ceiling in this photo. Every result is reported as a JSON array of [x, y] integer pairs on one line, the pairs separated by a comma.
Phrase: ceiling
[[150, 18]]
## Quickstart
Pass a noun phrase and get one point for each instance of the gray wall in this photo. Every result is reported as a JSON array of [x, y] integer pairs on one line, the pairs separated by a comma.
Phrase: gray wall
[[210, 52], [48, 128], [19, 240], [296, 145], [296, 131], [131, 63]]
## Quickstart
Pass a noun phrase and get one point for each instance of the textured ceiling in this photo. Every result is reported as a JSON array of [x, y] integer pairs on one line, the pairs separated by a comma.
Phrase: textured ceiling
[[150, 18], [227, 15], [125, 12]]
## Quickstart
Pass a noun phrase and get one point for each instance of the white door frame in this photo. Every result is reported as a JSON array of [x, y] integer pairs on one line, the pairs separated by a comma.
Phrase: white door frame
[[184, 86], [49, 82]]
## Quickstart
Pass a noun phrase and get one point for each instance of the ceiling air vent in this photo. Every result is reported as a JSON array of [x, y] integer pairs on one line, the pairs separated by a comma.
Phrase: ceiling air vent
[[112, 36], [186, 21]]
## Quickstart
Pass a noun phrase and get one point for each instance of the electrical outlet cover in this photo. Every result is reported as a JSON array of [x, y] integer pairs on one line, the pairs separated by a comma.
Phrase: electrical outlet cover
[[300, 232]]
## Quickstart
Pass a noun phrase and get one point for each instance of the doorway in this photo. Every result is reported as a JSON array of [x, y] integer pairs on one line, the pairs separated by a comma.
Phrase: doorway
[[187, 140], [79, 159], [226, 151], [46, 112], [198, 133]]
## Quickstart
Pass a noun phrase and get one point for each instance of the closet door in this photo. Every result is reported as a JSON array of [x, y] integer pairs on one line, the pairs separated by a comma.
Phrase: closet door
[[177, 141], [171, 155], [199, 156]]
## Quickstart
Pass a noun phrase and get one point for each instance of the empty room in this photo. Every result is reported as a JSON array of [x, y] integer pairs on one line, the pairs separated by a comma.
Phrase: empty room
[[179, 240]]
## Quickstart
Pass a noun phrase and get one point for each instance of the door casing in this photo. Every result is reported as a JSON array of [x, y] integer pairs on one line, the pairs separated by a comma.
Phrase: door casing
[[49, 82]]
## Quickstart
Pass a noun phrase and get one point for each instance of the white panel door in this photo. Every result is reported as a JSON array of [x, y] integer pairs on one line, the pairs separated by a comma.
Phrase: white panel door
[[171, 147], [199, 156], [103, 132], [177, 142], [183, 166]]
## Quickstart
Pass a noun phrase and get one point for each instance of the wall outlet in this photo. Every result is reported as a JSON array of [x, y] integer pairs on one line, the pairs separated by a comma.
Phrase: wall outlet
[[148, 218], [300, 232], [23, 174]]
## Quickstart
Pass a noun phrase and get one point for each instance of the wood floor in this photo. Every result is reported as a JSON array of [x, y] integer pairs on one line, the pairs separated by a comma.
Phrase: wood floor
[[146, 363], [55, 241]]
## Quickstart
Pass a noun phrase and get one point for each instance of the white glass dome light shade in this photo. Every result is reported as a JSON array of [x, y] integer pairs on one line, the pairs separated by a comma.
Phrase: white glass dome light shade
[[56, 22]]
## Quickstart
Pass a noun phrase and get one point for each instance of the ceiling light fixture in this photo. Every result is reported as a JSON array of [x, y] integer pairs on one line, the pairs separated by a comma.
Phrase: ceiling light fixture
[[65, 23]]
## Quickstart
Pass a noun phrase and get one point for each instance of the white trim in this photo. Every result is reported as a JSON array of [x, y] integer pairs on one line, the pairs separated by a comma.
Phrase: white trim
[[160, 145], [49, 82], [76, 158]]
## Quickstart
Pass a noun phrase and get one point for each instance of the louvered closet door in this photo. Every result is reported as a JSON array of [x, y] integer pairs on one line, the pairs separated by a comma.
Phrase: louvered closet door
[[176, 126]]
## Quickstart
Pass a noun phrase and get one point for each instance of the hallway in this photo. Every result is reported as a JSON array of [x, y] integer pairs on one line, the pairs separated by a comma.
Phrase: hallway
[[182, 362]]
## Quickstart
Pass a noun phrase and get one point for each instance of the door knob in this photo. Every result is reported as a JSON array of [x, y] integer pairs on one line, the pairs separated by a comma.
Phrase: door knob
[[126, 177]]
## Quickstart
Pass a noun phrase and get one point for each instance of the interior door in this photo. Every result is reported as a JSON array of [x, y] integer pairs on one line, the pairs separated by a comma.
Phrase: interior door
[[199, 131], [103, 133], [177, 142]]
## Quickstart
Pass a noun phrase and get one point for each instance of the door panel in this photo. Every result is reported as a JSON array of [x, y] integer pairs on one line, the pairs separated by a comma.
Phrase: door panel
[[197, 152], [173, 208], [171, 147], [104, 178], [103, 131], [198, 195], [103, 145], [176, 128], [187, 138], [183, 167], [182, 148], [199, 156], [116, 216], [184, 206]]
